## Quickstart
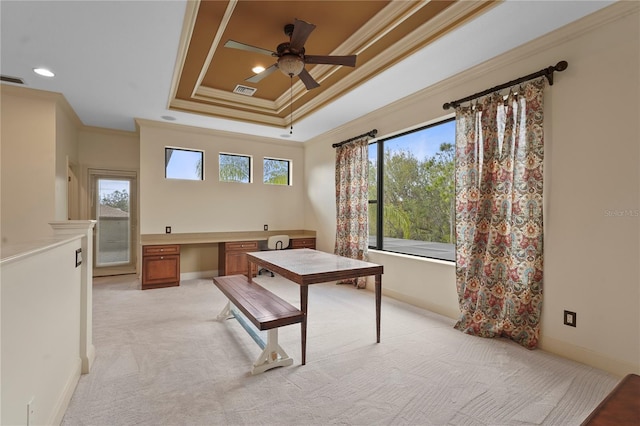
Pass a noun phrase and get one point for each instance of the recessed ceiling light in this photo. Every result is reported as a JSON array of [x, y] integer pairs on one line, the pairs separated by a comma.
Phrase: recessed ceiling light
[[43, 72], [257, 69], [168, 118]]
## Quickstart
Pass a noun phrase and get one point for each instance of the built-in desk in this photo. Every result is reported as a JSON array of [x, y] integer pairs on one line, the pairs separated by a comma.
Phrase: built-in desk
[[161, 252]]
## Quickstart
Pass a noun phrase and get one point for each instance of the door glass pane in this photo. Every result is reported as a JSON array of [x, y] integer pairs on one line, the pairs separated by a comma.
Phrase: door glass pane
[[113, 239]]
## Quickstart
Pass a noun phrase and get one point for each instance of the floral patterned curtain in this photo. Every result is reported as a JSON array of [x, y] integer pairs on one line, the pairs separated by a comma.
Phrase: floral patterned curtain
[[352, 202], [499, 158]]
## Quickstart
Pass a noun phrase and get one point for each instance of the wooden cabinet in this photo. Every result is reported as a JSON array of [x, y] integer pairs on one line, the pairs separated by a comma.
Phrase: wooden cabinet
[[297, 243], [160, 266], [232, 258]]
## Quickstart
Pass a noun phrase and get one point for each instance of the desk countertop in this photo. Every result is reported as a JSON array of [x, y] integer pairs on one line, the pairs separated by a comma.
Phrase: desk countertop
[[219, 237]]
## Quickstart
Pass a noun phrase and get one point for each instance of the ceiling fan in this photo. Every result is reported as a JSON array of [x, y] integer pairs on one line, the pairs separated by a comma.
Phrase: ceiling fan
[[291, 55]]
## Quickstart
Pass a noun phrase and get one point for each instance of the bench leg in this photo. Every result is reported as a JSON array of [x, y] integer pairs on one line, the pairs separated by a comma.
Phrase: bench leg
[[225, 313], [272, 355]]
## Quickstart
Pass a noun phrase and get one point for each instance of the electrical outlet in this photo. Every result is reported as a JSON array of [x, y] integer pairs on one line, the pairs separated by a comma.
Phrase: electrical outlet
[[167, 229], [570, 318], [31, 411], [78, 257], [266, 227]]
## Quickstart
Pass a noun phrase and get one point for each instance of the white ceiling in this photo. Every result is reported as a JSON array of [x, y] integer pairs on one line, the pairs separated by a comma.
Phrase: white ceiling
[[114, 60]]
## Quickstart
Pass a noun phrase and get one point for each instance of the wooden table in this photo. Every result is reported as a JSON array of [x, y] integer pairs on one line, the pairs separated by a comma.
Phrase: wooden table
[[307, 266]]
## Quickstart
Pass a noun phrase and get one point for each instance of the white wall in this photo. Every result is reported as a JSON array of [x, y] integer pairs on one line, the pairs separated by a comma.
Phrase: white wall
[[40, 322], [210, 205], [591, 166]]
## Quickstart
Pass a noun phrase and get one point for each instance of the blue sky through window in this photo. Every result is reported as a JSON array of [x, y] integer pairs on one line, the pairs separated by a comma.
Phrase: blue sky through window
[[184, 164], [424, 143]]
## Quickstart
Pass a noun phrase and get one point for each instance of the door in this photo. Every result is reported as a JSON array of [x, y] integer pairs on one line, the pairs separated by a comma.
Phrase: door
[[113, 206]]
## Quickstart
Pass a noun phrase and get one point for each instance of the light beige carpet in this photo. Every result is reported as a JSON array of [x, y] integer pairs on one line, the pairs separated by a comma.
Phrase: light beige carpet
[[163, 359]]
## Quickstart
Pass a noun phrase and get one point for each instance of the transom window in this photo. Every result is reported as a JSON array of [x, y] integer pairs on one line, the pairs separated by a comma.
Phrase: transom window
[[235, 168], [412, 192], [277, 171], [183, 164]]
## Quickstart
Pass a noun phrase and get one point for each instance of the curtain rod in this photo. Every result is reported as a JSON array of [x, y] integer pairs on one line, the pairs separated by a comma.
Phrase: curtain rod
[[547, 72], [370, 133]]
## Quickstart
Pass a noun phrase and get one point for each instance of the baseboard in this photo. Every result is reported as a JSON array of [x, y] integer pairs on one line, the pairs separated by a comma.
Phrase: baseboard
[[420, 303], [88, 362], [586, 356], [65, 397], [198, 275]]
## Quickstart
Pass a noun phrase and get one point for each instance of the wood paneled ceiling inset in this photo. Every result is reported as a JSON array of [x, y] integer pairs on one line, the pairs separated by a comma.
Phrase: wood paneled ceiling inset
[[380, 33]]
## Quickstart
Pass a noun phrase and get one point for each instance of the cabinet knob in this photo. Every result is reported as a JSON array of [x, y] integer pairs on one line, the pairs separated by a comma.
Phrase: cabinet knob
[[161, 249], [161, 257]]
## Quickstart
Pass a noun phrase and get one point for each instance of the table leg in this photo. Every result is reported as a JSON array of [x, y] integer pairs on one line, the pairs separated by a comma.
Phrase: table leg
[[304, 293], [378, 304], [249, 267]]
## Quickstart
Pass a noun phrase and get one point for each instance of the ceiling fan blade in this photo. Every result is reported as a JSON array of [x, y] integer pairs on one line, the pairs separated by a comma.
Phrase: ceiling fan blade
[[308, 81], [256, 78], [349, 61], [301, 31], [242, 46]]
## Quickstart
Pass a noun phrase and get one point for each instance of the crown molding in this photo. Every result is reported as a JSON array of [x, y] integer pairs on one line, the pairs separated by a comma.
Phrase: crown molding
[[188, 24], [223, 97], [214, 44], [109, 132], [57, 98], [205, 109], [143, 122], [612, 13], [453, 16]]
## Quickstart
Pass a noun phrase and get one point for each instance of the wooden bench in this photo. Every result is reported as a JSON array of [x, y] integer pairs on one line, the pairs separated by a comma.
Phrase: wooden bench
[[265, 311]]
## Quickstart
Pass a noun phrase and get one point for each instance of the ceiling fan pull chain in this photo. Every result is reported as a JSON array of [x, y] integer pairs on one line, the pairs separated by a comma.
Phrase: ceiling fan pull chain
[[291, 104]]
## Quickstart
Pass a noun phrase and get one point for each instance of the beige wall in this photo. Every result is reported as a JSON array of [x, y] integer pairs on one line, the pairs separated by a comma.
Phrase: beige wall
[[28, 144], [591, 167], [591, 173], [210, 205], [66, 154], [106, 150], [41, 342]]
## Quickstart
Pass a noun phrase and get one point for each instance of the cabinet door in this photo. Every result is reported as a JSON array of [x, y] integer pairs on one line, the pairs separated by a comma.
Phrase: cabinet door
[[233, 257], [237, 263], [160, 270]]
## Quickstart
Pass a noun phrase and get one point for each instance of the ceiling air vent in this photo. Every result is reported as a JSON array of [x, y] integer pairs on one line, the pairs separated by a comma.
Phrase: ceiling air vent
[[10, 79], [244, 90]]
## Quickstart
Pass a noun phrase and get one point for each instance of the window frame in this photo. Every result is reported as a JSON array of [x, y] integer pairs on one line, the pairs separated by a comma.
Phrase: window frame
[[289, 171], [174, 148], [378, 202], [229, 154]]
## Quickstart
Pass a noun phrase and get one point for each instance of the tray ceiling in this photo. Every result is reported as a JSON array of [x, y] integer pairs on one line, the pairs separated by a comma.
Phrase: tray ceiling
[[380, 33]]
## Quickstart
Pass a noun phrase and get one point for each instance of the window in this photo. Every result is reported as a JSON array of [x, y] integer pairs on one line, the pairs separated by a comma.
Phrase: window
[[183, 164], [235, 168], [412, 192], [277, 172]]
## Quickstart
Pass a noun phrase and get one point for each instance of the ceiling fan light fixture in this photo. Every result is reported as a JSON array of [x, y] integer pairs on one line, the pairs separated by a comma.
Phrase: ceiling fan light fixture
[[290, 65], [258, 69]]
